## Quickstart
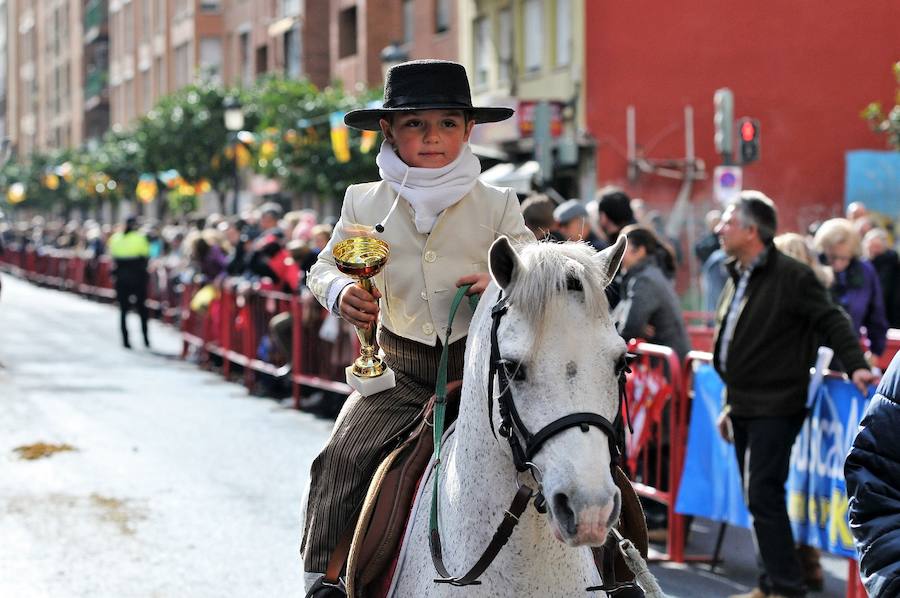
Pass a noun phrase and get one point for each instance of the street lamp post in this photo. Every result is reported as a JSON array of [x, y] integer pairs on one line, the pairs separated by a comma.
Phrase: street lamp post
[[234, 123]]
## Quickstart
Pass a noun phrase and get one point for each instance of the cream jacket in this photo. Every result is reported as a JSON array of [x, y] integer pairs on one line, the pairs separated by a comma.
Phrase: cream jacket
[[419, 280]]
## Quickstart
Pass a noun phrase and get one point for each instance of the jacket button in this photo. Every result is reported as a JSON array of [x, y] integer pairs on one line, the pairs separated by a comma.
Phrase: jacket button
[[430, 256], [424, 296], [427, 328]]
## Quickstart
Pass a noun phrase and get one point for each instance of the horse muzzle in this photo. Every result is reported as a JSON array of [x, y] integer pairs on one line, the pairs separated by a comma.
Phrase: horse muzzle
[[583, 523]]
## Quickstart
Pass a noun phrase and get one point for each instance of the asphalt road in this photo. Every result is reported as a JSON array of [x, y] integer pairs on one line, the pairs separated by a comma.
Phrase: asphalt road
[[178, 483]]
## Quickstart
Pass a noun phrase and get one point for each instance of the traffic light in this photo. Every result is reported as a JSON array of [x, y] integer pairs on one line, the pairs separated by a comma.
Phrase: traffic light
[[748, 132], [723, 100]]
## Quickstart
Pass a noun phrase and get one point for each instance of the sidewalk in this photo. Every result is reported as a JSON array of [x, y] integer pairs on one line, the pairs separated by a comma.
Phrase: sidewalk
[[737, 573]]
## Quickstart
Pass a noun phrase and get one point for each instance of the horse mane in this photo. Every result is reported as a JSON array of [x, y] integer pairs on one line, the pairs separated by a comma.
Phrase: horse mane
[[551, 270]]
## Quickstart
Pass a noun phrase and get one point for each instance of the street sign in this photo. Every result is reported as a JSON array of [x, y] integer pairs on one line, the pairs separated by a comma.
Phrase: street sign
[[727, 183]]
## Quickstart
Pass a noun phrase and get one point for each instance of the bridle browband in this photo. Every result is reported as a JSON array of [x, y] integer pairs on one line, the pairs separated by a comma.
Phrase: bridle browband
[[514, 430]]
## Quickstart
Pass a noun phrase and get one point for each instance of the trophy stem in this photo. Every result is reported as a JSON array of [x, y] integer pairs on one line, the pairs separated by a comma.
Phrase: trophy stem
[[367, 337]]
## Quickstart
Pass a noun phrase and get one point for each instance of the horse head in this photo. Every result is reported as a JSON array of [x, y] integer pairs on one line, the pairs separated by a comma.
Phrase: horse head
[[561, 358]]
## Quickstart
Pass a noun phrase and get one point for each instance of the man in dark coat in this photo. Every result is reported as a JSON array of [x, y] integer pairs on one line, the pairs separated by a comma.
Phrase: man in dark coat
[[872, 471], [771, 316]]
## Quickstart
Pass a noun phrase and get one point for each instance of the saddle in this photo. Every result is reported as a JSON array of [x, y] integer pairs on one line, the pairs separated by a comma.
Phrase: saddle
[[370, 549], [383, 517]]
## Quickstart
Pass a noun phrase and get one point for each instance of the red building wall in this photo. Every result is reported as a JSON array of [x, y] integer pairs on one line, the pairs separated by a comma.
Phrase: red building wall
[[805, 69]]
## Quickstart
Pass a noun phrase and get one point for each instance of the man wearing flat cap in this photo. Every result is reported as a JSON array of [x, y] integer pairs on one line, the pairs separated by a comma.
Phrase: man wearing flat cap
[[572, 223]]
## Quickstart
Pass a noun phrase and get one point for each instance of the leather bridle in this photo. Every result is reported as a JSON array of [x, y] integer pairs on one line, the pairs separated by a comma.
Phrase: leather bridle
[[523, 444], [514, 429]]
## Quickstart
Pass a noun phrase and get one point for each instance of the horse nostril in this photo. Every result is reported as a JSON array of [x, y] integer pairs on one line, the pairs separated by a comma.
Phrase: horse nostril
[[564, 513]]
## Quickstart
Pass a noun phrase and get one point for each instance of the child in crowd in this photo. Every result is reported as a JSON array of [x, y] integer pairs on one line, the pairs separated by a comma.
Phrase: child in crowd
[[439, 221]]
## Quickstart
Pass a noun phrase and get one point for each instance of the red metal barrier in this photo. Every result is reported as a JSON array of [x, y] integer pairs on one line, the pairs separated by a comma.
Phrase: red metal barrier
[[700, 329], [655, 387], [236, 328]]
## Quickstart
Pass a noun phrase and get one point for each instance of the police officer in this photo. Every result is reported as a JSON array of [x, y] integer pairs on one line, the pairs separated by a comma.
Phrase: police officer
[[130, 250]]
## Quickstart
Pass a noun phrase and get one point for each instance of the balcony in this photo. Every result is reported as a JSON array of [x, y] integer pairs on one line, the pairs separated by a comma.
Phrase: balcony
[[95, 88], [95, 18]]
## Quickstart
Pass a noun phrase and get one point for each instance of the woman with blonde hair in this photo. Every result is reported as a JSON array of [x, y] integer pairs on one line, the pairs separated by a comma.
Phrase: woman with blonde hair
[[795, 246], [855, 287]]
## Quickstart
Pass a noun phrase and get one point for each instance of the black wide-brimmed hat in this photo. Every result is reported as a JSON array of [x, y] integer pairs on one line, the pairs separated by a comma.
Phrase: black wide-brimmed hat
[[425, 85]]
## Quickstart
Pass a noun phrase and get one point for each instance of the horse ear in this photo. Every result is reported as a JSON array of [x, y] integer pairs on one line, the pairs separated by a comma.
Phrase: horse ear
[[611, 258], [503, 262]]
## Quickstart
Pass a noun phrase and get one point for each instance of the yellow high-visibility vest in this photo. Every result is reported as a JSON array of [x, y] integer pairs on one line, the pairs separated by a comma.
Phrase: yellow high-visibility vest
[[129, 245]]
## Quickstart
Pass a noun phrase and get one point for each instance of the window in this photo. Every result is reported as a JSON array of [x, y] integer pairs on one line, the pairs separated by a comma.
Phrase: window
[[563, 32], [441, 16], [160, 77], [409, 21], [347, 32], [210, 5], [159, 16], [128, 112], [183, 72], [211, 58], [290, 8], [128, 22], [63, 31], [146, 92], [244, 61], [65, 87], [262, 60], [293, 53], [482, 50], [505, 45], [146, 25], [533, 34]]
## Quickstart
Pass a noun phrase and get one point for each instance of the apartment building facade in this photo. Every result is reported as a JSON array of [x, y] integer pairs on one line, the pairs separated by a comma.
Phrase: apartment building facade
[[73, 68], [368, 35], [44, 98], [520, 53]]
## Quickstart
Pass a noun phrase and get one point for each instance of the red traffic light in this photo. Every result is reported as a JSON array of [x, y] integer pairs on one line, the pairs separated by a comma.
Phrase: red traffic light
[[748, 130]]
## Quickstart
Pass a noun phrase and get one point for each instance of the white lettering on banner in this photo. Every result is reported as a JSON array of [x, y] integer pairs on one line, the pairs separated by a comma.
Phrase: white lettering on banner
[[829, 433]]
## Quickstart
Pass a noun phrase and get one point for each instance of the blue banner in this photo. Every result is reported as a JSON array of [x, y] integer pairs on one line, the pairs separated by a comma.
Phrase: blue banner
[[710, 482], [873, 177], [816, 489]]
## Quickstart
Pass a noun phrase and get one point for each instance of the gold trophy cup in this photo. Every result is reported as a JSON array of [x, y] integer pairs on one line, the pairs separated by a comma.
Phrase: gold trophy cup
[[362, 258]]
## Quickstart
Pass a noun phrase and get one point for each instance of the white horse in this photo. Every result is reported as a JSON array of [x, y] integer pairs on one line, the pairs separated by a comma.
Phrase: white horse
[[566, 355]]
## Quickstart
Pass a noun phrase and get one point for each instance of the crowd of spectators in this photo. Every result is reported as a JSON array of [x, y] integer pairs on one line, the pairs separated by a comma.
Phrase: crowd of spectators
[[262, 249], [264, 246], [271, 249]]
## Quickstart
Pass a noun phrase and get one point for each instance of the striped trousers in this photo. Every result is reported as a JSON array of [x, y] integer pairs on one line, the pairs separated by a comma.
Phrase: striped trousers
[[361, 438]]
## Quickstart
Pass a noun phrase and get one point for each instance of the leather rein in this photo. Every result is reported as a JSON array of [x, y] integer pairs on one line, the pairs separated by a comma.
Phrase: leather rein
[[523, 444]]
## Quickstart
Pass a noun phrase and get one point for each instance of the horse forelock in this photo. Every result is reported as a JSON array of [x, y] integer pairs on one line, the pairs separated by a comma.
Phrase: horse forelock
[[551, 271]]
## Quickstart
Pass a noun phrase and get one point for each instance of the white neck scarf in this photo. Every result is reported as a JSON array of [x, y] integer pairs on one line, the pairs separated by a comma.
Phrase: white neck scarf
[[429, 191]]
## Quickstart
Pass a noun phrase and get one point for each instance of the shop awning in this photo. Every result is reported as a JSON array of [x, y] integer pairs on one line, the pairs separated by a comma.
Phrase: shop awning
[[517, 176]]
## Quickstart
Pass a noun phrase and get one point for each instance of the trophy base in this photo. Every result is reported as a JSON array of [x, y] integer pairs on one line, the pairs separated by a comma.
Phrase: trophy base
[[370, 386]]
